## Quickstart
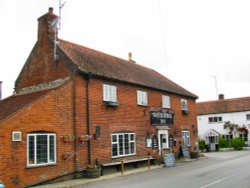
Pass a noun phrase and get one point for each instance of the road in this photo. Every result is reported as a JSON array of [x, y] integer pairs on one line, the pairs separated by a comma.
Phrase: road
[[218, 170]]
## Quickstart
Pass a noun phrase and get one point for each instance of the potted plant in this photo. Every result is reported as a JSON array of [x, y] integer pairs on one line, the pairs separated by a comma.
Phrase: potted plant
[[93, 171], [68, 156], [84, 138], [194, 154], [68, 138]]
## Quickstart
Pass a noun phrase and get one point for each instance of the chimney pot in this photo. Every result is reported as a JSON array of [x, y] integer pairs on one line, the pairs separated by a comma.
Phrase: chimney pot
[[221, 96], [51, 10], [130, 56]]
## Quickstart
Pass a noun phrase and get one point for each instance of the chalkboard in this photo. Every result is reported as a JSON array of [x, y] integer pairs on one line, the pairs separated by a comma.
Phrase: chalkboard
[[169, 159], [185, 151]]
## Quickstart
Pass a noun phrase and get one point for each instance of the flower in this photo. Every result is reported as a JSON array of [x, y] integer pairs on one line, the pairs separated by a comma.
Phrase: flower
[[93, 167]]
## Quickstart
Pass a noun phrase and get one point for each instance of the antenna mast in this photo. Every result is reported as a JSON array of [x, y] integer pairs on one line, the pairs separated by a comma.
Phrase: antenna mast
[[216, 87], [60, 8]]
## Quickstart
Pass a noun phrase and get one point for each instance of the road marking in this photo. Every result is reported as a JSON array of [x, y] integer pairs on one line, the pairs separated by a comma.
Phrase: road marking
[[215, 182]]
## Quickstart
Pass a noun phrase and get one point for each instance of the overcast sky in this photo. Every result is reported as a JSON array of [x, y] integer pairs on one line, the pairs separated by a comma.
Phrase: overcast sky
[[191, 42]]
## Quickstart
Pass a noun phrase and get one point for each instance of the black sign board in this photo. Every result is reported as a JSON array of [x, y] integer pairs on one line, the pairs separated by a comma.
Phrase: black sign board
[[154, 142], [169, 159], [162, 118], [185, 151]]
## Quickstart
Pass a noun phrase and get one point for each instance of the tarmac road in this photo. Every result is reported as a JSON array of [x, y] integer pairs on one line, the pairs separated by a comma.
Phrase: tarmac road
[[219, 170]]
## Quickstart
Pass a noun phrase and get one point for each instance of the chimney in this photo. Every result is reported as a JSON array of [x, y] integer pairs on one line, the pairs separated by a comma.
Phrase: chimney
[[1, 90], [130, 57], [47, 26], [221, 96]]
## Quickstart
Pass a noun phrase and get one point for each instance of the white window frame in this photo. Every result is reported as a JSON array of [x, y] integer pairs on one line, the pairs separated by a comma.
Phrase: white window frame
[[166, 103], [184, 104], [215, 119], [186, 138], [142, 98], [109, 93], [48, 148], [117, 144]]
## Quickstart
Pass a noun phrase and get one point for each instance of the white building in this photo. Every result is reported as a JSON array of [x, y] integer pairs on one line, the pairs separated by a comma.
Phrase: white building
[[212, 115]]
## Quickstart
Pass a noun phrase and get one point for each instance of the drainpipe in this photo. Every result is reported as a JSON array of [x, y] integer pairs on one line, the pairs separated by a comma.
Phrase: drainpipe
[[87, 78], [74, 118]]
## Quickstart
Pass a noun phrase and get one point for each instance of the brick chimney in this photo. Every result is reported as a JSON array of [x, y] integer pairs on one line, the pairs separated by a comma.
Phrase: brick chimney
[[47, 26]]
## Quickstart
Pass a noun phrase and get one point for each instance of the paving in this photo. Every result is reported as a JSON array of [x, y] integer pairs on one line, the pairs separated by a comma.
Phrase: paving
[[77, 183]]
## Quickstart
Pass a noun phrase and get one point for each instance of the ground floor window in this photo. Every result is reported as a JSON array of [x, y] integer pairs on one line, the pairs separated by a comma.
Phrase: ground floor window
[[123, 144], [41, 149], [243, 136], [228, 138], [186, 138]]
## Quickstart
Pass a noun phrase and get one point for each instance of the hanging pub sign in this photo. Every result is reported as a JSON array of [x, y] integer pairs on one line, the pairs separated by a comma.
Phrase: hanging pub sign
[[162, 118]]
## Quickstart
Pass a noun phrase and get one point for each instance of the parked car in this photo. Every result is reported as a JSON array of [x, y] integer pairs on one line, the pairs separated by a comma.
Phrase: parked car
[[1, 184]]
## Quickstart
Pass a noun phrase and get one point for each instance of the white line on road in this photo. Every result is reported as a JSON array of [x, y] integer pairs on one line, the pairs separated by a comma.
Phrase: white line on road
[[215, 182]]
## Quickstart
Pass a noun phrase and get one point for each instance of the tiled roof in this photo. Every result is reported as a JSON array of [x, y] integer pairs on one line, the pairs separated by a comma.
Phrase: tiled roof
[[14, 103], [224, 106], [100, 64]]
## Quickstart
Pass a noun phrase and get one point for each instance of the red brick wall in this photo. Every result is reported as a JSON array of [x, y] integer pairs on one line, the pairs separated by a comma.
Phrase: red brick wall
[[128, 116], [52, 113], [41, 67], [57, 113]]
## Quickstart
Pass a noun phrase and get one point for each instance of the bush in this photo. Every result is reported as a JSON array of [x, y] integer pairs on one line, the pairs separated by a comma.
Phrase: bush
[[202, 145], [238, 143], [223, 143]]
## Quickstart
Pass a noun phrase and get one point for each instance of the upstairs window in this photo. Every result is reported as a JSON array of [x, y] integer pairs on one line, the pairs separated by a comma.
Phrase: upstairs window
[[109, 93], [215, 119], [166, 101], [41, 149], [142, 98], [184, 105], [248, 117]]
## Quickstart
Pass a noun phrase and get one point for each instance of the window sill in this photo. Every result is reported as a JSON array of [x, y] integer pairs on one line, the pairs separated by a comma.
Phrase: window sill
[[111, 103], [185, 111], [40, 165]]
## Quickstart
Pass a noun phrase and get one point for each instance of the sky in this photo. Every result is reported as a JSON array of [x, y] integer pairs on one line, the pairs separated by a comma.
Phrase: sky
[[202, 45]]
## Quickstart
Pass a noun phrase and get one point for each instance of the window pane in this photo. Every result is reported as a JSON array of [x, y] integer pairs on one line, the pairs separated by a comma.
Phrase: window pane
[[132, 137], [31, 150], [42, 149], [51, 148], [132, 148], [114, 138], [114, 150], [126, 144], [121, 148]]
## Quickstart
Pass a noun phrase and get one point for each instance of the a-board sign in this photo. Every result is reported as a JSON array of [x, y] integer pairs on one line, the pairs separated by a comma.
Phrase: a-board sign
[[169, 159], [154, 142], [185, 151]]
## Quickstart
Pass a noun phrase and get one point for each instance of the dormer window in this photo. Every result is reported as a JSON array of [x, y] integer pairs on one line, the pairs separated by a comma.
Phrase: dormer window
[[110, 94], [142, 98]]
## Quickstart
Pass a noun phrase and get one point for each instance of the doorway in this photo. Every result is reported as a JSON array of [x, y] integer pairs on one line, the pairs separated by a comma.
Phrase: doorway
[[163, 140]]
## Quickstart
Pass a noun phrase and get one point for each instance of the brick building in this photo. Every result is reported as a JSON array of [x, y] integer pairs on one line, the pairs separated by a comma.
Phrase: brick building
[[121, 109]]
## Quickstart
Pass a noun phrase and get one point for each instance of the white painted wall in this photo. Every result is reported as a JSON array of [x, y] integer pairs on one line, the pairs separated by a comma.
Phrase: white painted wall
[[234, 117]]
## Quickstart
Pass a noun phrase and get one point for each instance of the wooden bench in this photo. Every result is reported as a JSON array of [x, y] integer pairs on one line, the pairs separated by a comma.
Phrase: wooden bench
[[120, 164]]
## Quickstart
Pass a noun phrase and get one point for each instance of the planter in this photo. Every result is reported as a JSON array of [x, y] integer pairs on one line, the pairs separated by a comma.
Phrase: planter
[[194, 155], [93, 173], [68, 140], [83, 139]]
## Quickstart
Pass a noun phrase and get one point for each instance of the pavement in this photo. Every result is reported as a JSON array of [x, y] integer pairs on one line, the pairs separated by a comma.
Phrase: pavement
[[77, 183]]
